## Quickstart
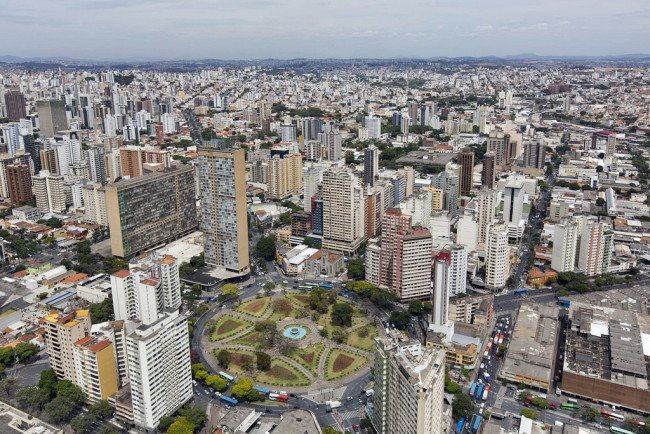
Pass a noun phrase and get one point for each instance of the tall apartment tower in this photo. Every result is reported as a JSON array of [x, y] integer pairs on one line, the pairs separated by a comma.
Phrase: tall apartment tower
[[412, 107], [596, 244], [159, 368], [373, 125], [370, 165], [96, 163], [94, 197], [514, 201], [409, 383], [394, 226], [312, 178], [151, 285], [285, 176], [95, 368], [49, 192], [222, 178], [146, 211], [19, 181], [131, 161], [486, 205], [611, 145], [565, 243], [466, 162], [499, 143], [448, 183], [288, 133], [489, 170], [343, 211], [439, 313], [62, 330], [15, 103], [458, 270], [535, 154], [332, 142], [496, 257], [51, 116]]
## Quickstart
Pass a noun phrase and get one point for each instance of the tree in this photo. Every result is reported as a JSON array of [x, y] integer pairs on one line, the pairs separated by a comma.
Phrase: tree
[[427, 306], [342, 314], [330, 430], [600, 201], [223, 358], [415, 307], [590, 414], [453, 387], [101, 409], [462, 406], [263, 360], [165, 423], [242, 389], [66, 263], [282, 306], [268, 287], [338, 335], [25, 350], [6, 355], [8, 385], [265, 247], [83, 248], [400, 319], [82, 423], [230, 290], [181, 426], [101, 312], [32, 397], [47, 382], [59, 409], [356, 269], [216, 382], [71, 393], [53, 222], [540, 402], [487, 414], [530, 414], [195, 416]]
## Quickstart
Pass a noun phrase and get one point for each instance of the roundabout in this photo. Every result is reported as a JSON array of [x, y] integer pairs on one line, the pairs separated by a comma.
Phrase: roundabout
[[299, 340]]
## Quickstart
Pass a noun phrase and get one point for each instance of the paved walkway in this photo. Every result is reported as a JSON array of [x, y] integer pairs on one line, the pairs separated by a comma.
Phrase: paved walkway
[[314, 337]]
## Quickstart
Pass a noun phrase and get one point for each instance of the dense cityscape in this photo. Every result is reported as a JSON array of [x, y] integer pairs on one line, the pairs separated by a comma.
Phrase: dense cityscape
[[391, 246]]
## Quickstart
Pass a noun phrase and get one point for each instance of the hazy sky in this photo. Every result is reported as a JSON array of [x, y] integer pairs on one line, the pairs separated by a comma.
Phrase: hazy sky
[[244, 29]]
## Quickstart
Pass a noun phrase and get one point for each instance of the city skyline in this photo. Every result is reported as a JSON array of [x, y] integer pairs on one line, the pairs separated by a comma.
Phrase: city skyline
[[279, 29]]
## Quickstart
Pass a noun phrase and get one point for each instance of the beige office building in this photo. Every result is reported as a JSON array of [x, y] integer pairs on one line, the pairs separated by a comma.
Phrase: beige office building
[[49, 192], [284, 176], [62, 330]]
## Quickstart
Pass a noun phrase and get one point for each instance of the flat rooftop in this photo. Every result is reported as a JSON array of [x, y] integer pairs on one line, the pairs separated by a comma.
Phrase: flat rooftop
[[635, 299]]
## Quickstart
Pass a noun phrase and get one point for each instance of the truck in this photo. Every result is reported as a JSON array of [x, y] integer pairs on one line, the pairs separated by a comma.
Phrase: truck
[[336, 404], [485, 393], [273, 396], [500, 339], [486, 353], [487, 376]]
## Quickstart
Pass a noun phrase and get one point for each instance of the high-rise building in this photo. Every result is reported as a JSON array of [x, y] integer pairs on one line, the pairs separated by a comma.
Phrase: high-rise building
[[285, 176], [332, 141], [466, 162], [412, 107], [489, 169], [370, 164], [96, 163], [514, 201], [496, 257], [440, 289], [317, 215], [51, 116], [448, 183], [49, 192], [15, 103], [374, 127], [222, 178], [535, 154], [62, 330], [151, 285], [12, 138], [486, 206], [312, 178], [159, 368], [394, 226], [33, 147], [458, 270], [94, 198], [96, 371], [596, 245], [499, 143], [169, 123], [611, 145], [151, 209], [131, 161], [565, 242], [19, 181], [288, 133], [409, 388], [467, 232], [343, 211]]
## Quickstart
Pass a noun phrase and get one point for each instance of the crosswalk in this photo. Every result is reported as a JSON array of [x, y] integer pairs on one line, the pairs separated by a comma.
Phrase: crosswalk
[[350, 414]]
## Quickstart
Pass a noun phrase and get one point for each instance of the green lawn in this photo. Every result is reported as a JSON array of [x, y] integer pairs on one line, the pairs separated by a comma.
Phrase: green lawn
[[340, 363], [282, 374], [239, 361], [309, 357], [256, 307], [298, 299], [250, 339], [366, 343], [228, 325]]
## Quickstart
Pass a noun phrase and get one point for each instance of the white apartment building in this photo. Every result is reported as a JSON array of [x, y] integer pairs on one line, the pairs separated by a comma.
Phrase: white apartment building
[[486, 205], [565, 242], [159, 368], [343, 210], [94, 198], [467, 232], [409, 383], [496, 256], [415, 252], [596, 244], [168, 122], [62, 330], [439, 314], [49, 192], [373, 125], [458, 271], [94, 362]]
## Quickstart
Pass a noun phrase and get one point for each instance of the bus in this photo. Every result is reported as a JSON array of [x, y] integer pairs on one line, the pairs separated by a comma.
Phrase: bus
[[614, 416], [305, 287], [616, 430], [325, 285], [521, 291], [312, 285], [283, 398], [229, 401], [569, 406], [485, 393], [226, 377], [262, 392], [472, 390], [476, 425], [479, 392], [459, 426]]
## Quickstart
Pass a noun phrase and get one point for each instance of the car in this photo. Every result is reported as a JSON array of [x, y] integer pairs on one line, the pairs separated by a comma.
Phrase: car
[[267, 410], [295, 406], [293, 395], [223, 306], [227, 406], [349, 398], [328, 410]]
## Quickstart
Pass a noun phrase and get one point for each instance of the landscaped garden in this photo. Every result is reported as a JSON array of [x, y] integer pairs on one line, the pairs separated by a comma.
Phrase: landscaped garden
[[308, 357], [340, 363], [363, 337], [282, 374], [228, 325], [256, 307]]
